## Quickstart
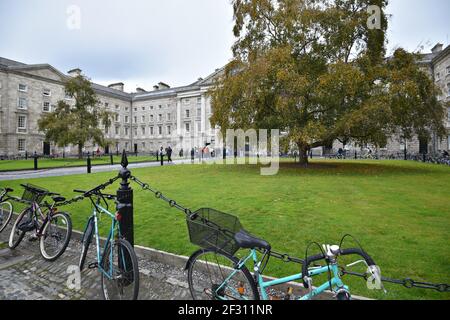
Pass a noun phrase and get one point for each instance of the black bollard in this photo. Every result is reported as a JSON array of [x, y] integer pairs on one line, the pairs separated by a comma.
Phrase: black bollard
[[26, 155], [89, 165], [112, 159], [356, 155], [35, 161], [125, 198]]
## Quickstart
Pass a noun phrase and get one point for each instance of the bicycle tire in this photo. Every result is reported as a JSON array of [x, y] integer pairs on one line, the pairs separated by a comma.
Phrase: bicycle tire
[[13, 243], [130, 279], [68, 221], [86, 242], [4, 211], [234, 261]]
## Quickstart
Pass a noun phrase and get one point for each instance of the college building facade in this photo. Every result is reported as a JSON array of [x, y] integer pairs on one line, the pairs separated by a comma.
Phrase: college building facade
[[146, 120], [143, 121]]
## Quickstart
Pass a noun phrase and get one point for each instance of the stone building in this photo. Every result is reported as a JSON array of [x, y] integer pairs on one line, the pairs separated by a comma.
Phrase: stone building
[[143, 120], [146, 120], [437, 65]]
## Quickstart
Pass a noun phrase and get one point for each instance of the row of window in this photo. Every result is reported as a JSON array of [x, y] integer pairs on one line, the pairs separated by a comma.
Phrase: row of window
[[22, 103], [187, 128], [438, 74], [168, 117], [45, 92]]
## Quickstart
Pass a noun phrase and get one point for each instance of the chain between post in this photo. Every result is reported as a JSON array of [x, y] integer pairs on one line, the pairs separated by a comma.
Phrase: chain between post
[[407, 283], [159, 195]]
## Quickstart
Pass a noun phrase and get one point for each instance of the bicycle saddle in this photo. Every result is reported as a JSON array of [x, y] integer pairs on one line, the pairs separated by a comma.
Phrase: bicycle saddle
[[58, 199], [9, 190], [247, 241]]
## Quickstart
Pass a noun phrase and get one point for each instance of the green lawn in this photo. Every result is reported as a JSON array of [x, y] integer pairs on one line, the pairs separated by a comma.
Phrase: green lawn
[[399, 211], [11, 165]]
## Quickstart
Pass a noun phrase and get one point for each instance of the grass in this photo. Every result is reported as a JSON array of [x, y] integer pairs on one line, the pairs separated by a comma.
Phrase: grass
[[398, 210], [11, 165]]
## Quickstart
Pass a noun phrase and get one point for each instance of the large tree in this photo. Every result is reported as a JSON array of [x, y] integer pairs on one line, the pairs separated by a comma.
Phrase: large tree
[[78, 123], [312, 68]]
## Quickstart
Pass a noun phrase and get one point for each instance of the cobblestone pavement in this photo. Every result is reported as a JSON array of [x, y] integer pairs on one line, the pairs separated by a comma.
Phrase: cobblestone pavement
[[25, 275]]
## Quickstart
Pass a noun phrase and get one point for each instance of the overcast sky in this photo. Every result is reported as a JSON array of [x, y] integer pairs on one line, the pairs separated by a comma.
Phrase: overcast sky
[[175, 41]]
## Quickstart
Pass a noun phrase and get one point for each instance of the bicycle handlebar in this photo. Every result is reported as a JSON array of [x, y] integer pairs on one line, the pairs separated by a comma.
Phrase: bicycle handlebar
[[343, 252], [96, 192]]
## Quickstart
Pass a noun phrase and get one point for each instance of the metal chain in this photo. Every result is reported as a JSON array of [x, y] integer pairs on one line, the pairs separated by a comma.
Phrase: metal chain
[[407, 283], [160, 195]]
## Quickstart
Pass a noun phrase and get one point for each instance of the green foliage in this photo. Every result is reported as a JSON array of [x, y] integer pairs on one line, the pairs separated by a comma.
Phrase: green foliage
[[78, 123], [314, 69]]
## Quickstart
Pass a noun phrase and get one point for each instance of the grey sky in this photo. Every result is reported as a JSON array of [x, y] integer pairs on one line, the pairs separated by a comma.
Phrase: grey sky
[[175, 41]]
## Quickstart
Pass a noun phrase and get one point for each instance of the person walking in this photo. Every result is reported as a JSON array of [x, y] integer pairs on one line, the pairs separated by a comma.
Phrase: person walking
[[161, 155], [181, 153], [169, 154], [192, 155]]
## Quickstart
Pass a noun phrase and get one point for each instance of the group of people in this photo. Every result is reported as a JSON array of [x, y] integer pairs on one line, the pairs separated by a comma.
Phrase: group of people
[[161, 153]]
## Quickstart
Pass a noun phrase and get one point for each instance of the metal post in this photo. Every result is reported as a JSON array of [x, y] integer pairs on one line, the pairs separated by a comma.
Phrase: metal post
[[111, 158], [125, 198], [356, 155], [35, 161], [26, 155], [89, 165]]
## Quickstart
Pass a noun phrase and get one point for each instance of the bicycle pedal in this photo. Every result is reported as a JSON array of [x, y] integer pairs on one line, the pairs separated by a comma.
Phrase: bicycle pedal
[[93, 265], [33, 238]]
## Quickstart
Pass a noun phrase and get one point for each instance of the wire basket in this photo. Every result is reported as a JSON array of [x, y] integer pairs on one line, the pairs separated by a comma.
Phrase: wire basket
[[33, 193], [212, 229]]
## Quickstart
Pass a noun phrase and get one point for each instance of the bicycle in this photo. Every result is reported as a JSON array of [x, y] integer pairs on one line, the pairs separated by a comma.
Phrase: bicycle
[[117, 263], [52, 228], [215, 273], [6, 208]]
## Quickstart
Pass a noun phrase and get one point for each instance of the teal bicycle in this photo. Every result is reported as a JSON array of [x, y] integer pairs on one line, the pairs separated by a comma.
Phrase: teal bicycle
[[215, 273], [116, 261]]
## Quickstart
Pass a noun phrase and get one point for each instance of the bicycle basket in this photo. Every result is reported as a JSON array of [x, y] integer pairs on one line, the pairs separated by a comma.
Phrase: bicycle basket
[[33, 193], [212, 229]]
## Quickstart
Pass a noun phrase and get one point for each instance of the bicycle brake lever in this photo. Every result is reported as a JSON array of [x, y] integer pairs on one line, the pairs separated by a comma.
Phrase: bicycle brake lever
[[356, 263]]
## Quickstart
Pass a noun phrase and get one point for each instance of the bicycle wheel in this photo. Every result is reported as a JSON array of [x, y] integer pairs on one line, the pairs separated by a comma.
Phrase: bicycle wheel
[[55, 237], [6, 211], [213, 276], [119, 262], [17, 233], [86, 242]]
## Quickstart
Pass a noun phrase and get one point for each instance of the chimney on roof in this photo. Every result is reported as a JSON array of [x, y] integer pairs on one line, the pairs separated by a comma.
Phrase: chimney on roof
[[155, 87], [163, 85], [200, 79], [140, 90], [75, 72], [117, 86], [437, 48]]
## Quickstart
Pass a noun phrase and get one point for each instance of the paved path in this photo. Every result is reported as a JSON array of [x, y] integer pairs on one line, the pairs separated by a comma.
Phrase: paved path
[[25, 275], [18, 175]]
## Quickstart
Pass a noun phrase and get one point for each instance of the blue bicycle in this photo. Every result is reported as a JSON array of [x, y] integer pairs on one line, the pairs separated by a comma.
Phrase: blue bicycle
[[215, 273], [117, 262]]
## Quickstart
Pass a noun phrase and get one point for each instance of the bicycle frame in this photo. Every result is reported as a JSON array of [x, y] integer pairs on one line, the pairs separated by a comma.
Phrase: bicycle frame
[[98, 209], [335, 281]]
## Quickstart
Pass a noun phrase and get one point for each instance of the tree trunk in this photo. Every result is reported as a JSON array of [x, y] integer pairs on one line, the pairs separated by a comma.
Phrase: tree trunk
[[80, 151], [303, 149]]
